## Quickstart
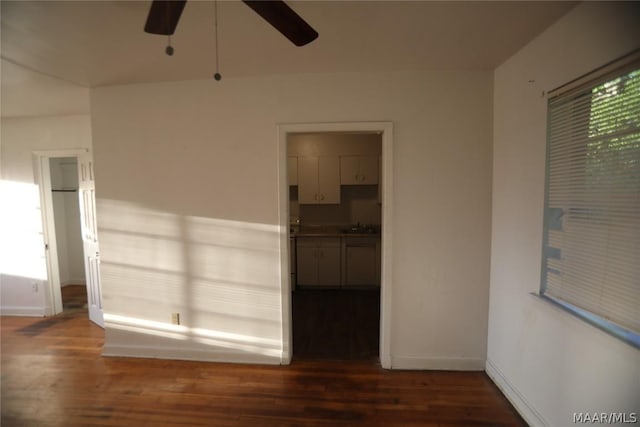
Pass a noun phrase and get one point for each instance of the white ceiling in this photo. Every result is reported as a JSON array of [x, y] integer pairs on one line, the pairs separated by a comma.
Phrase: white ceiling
[[94, 43]]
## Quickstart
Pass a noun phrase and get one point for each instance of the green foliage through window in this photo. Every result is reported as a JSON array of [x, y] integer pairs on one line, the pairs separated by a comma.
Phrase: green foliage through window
[[591, 249], [614, 134]]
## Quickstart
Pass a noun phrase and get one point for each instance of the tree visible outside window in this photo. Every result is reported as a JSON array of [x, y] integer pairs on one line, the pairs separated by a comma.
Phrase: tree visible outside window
[[591, 258]]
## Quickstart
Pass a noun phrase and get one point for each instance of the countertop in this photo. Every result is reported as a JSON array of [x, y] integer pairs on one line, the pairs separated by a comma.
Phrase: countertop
[[336, 231]]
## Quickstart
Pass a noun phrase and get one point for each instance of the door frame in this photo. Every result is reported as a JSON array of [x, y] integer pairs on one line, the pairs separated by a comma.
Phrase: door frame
[[386, 131], [42, 177]]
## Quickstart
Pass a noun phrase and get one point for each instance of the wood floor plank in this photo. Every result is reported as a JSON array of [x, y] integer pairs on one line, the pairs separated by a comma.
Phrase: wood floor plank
[[54, 375], [336, 324]]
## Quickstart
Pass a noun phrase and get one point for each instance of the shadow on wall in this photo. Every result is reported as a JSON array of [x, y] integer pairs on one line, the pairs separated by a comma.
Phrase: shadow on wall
[[222, 277]]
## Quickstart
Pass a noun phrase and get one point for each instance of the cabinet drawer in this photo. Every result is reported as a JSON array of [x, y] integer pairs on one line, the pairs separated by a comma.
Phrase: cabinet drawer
[[318, 242], [361, 241]]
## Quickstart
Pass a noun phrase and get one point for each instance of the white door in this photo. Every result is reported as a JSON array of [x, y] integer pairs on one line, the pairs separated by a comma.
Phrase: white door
[[86, 193]]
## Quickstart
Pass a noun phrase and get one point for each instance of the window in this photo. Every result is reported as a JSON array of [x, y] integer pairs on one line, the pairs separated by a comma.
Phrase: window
[[591, 242]]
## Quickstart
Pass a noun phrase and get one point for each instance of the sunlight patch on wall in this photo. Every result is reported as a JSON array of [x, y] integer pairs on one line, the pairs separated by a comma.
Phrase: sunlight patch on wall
[[207, 337], [221, 275], [22, 243], [145, 238], [144, 326], [246, 343]]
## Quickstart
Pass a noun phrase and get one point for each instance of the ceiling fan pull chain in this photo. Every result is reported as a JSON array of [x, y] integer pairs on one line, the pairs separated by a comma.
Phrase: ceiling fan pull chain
[[169, 49], [217, 75]]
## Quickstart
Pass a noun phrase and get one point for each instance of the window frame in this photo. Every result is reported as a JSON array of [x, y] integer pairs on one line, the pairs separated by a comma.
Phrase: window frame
[[606, 73]]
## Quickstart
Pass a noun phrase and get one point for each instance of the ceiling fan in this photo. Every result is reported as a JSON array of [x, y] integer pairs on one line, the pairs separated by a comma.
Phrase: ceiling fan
[[164, 15]]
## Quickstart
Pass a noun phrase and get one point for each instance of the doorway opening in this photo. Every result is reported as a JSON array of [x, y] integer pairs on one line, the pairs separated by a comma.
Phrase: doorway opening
[[336, 226], [66, 217], [67, 199]]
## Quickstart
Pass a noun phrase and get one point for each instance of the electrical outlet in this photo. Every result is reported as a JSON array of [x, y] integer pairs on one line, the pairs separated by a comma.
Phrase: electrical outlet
[[175, 318]]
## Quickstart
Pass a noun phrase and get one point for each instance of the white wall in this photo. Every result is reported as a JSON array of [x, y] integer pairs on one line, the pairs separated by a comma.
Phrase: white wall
[[23, 268], [549, 363], [30, 125], [186, 177]]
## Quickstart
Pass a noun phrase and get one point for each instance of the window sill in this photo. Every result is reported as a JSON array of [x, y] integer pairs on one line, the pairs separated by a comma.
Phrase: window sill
[[629, 337]]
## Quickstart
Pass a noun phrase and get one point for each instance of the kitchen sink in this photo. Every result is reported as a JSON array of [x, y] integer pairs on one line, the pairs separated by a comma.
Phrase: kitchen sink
[[359, 230]]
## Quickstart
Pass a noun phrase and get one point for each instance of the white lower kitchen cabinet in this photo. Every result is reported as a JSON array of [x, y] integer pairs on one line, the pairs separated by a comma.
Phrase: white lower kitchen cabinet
[[360, 266], [361, 261], [318, 261]]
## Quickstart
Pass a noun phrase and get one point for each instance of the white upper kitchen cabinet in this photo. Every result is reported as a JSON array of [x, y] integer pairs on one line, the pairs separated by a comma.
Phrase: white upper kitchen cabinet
[[292, 170], [358, 170], [318, 180]]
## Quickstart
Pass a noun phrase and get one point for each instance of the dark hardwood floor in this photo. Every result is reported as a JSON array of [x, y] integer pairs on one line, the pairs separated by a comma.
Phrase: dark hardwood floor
[[74, 297], [336, 324], [53, 375]]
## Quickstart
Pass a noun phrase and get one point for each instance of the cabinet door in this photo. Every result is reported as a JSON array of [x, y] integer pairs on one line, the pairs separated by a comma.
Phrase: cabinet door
[[318, 261], [368, 170], [318, 180], [380, 179], [329, 180], [292, 170], [361, 266], [349, 170], [307, 265], [329, 265], [307, 180], [359, 170]]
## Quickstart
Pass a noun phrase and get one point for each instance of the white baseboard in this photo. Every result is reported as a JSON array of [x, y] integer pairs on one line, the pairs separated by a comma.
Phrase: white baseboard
[[23, 311], [438, 364], [528, 412], [173, 353]]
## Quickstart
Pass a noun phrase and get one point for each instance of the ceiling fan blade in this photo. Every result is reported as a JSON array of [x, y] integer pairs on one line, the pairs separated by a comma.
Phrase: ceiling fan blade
[[284, 19], [163, 16]]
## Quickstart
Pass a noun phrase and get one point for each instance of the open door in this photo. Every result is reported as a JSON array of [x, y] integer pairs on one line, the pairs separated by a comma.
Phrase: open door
[[86, 193]]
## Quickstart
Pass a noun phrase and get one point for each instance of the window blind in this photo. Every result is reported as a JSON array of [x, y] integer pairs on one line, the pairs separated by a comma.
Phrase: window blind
[[591, 242]]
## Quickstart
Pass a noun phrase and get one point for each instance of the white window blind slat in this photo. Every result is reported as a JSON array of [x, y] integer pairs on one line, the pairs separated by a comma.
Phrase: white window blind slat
[[591, 251]]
